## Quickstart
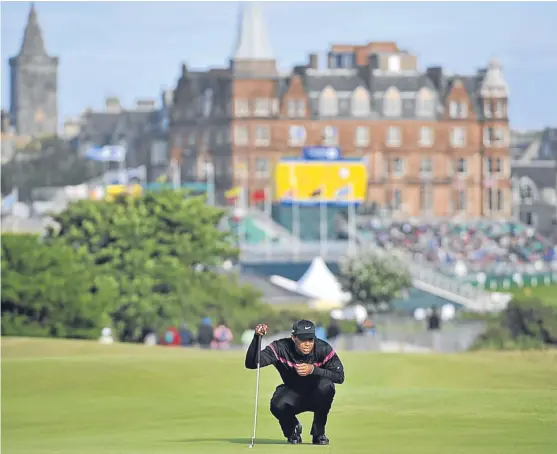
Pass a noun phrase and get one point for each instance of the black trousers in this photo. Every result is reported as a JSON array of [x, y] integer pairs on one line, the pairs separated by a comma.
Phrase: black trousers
[[286, 403]]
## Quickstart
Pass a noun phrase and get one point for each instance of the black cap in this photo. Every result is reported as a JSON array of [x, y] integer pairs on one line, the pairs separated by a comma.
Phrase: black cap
[[303, 329]]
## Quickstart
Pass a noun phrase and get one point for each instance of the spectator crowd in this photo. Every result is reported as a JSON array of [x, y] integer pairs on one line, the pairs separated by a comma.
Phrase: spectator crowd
[[464, 248]]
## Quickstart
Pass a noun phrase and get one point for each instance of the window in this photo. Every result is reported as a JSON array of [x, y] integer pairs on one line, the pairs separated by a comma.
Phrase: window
[[426, 136], [461, 201], [453, 109], [425, 106], [192, 138], [392, 106], [330, 136], [361, 138], [397, 199], [463, 110], [328, 103], [458, 137], [159, 153], [398, 167], [360, 103], [296, 135], [499, 111], [241, 135], [241, 107], [262, 107], [462, 166], [500, 137], [262, 136], [296, 108], [426, 199], [426, 167], [242, 168], [261, 168], [488, 136], [393, 136], [499, 204], [487, 109], [394, 63]]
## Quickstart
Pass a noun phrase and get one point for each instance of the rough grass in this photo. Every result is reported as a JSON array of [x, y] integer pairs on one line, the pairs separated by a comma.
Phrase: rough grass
[[68, 397]]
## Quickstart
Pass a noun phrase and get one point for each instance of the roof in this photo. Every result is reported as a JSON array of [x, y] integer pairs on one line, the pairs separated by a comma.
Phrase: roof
[[543, 176], [33, 44]]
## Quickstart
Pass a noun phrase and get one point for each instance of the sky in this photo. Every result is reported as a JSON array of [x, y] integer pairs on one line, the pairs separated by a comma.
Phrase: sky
[[135, 49]]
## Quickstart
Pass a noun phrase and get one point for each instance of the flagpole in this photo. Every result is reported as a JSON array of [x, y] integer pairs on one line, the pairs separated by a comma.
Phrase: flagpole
[[210, 177], [322, 223], [268, 212], [351, 225], [295, 212]]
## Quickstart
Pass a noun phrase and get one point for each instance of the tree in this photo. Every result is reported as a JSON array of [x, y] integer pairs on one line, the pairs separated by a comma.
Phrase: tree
[[373, 277], [46, 291], [150, 249]]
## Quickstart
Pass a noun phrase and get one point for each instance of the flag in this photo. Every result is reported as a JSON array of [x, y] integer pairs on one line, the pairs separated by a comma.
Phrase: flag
[[108, 153], [258, 196], [233, 193]]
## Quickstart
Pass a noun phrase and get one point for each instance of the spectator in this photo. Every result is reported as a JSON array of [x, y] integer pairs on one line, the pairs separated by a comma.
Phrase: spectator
[[205, 333], [186, 336], [434, 327], [222, 336]]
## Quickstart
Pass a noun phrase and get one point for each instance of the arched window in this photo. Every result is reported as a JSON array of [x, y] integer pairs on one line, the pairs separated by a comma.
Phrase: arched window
[[425, 103], [391, 103], [360, 103], [328, 103]]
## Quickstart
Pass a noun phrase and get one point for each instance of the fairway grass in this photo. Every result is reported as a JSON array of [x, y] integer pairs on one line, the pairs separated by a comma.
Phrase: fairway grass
[[70, 397]]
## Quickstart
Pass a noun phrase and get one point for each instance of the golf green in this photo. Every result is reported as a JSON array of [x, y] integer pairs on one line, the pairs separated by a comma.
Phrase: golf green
[[71, 397]]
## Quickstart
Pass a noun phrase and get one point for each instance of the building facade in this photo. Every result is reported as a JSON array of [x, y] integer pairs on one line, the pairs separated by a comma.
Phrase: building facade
[[34, 85], [435, 144], [534, 180]]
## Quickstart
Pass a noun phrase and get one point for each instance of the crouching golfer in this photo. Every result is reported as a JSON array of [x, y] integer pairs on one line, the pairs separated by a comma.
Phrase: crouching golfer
[[309, 368]]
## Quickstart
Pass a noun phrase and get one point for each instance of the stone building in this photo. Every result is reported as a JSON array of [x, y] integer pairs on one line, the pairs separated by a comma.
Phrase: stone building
[[436, 144], [534, 180], [34, 85]]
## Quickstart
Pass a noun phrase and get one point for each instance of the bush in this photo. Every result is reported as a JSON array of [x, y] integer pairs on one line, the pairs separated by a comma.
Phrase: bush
[[525, 324]]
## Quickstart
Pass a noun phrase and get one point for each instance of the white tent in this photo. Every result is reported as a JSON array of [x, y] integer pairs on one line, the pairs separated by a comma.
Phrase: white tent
[[318, 282]]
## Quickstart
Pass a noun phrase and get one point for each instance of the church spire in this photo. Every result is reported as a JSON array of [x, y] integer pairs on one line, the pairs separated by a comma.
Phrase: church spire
[[253, 50], [33, 44]]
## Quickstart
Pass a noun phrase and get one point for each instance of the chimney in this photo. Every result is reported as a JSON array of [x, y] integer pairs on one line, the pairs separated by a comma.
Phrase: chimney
[[145, 105], [313, 62], [435, 74], [113, 105]]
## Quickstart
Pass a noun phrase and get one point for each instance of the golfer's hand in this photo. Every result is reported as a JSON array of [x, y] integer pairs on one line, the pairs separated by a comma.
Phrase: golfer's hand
[[304, 369], [261, 330]]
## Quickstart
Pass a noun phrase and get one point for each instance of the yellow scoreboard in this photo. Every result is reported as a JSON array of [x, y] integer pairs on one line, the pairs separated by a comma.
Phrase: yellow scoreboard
[[332, 182]]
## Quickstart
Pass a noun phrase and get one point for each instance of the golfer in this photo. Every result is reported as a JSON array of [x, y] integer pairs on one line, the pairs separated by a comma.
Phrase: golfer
[[309, 368]]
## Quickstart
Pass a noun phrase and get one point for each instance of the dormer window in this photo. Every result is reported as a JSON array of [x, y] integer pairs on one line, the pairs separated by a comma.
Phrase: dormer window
[[391, 103], [360, 103], [328, 103], [394, 63], [425, 104]]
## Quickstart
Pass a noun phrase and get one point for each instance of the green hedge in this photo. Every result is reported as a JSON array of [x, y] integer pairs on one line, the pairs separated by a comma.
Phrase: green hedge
[[525, 324]]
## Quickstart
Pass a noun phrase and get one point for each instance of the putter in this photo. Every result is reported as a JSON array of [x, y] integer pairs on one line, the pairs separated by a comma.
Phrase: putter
[[252, 443]]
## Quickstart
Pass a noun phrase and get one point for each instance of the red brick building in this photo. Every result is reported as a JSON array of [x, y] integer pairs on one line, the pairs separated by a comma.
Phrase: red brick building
[[436, 144]]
